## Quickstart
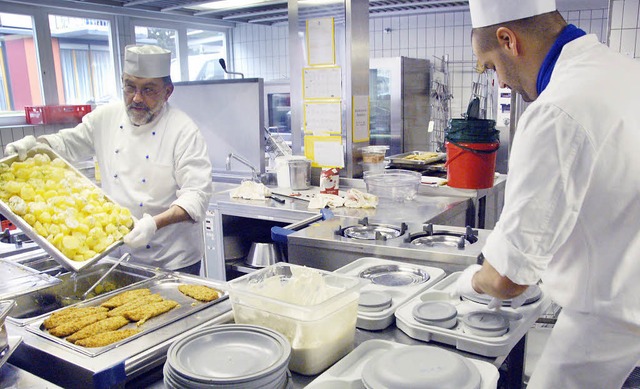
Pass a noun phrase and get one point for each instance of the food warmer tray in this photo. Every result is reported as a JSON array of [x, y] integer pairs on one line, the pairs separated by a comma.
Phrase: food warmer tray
[[520, 321], [400, 160], [166, 286], [19, 222], [17, 278], [68, 367], [403, 290], [347, 372]]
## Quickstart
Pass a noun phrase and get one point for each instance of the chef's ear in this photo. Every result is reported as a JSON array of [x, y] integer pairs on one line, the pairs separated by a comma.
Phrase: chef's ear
[[507, 40]]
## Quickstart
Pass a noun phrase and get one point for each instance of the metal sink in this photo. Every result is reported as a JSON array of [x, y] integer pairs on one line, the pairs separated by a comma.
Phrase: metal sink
[[43, 301]]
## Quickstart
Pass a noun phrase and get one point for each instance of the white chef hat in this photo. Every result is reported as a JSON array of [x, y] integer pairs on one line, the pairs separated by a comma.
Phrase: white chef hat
[[147, 61], [489, 12]]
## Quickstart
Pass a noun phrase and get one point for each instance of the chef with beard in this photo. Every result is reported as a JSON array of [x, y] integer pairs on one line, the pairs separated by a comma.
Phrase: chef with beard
[[152, 158]]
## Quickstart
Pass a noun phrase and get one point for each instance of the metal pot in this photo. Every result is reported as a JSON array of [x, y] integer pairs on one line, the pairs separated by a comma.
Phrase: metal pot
[[234, 247], [300, 174], [263, 254]]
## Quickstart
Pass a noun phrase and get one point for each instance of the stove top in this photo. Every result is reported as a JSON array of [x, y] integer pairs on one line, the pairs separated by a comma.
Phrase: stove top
[[333, 243]]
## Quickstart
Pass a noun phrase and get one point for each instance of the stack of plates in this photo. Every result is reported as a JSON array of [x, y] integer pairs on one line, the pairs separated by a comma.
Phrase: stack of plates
[[234, 356]]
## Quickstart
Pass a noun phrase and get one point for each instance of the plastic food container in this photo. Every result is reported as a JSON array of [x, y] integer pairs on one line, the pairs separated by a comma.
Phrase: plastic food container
[[314, 309], [397, 184], [373, 158]]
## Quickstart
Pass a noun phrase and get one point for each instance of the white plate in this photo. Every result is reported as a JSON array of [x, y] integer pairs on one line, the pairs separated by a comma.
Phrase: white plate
[[347, 372], [381, 319], [520, 320]]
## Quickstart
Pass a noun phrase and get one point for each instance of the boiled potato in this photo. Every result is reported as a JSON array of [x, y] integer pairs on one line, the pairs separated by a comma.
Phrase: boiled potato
[[66, 209]]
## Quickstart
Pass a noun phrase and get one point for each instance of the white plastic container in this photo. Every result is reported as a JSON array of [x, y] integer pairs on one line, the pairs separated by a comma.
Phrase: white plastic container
[[314, 309]]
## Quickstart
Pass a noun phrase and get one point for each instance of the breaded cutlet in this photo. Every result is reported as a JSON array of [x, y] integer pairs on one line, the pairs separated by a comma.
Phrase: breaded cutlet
[[125, 297], [68, 314], [106, 338], [69, 327], [142, 314], [144, 300], [108, 324], [199, 292]]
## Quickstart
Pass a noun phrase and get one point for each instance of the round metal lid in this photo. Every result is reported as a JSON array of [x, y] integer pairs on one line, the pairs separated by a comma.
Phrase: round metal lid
[[434, 311], [485, 298], [228, 354], [395, 275], [425, 367], [485, 321], [374, 301], [437, 241], [369, 232]]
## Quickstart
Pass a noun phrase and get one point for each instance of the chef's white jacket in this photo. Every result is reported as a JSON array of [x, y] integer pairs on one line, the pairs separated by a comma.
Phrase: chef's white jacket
[[147, 169], [572, 203]]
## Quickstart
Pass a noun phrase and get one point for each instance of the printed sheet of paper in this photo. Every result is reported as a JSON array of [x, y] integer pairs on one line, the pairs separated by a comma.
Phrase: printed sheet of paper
[[322, 83], [360, 118], [321, 48], [323, 117]]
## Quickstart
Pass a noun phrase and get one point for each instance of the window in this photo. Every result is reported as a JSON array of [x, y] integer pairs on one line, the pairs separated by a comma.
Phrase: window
[[206, 48], [83, 60], [19, 71], [165, 38]]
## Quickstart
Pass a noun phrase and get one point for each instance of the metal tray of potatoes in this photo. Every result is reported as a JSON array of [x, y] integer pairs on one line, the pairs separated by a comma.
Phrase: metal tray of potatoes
[[166, 286], [56, 254]]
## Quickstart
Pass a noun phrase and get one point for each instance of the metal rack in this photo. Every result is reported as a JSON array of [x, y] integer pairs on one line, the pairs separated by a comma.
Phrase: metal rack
[[440, 101]]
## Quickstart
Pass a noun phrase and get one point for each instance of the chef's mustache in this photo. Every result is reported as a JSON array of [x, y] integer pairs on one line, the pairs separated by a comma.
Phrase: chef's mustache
[[138, 106]]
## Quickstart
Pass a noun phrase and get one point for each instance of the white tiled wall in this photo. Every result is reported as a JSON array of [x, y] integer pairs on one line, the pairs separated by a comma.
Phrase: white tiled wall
[[261, 51], [625, 27]]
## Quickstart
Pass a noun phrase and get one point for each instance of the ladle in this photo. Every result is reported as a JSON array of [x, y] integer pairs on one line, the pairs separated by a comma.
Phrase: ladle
[[124, 258]]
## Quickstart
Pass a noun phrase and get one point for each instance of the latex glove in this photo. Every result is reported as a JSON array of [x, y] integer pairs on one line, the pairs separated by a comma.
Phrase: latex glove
[[142, 232], [517, 301], [463, 283], [495, 303], [20, 147]]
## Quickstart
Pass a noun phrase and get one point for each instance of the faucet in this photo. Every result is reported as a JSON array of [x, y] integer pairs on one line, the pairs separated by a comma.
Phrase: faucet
[[254, 174]]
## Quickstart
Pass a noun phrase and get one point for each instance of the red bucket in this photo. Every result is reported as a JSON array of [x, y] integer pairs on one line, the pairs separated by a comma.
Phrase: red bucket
[[471, 165]]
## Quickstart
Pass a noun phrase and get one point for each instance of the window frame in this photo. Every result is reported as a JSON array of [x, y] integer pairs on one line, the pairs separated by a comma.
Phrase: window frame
[[122, 33]]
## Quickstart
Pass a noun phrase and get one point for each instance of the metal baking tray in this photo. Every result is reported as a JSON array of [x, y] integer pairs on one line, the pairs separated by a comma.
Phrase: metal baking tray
[[166, 286], [401, 159], [40, 303], [56, 254]]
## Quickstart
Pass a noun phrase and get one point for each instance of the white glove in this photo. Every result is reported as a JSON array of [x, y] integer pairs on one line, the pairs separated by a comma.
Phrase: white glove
[[20, 147], [142, 232], [517, 301], [463, 286]]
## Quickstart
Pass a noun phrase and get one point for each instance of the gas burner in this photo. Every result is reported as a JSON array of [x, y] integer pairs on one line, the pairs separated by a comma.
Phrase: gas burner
[[366, 231], [430, 238]]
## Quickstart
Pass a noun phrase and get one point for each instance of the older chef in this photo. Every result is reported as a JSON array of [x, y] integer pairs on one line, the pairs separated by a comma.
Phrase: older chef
[[152, 158], [571, 208]]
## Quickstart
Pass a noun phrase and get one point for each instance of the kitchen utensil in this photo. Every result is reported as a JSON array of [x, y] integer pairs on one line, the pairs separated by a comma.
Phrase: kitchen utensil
[[263, 254], [473, 110], [300, 174], [276, 199], [124, 258]]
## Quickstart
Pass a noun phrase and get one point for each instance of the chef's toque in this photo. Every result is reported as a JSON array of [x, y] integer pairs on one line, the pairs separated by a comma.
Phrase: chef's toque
[[147, 61], [489, 12]]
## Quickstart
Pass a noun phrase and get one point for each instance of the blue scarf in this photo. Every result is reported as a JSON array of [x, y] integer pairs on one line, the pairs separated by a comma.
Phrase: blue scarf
[[569, 33]]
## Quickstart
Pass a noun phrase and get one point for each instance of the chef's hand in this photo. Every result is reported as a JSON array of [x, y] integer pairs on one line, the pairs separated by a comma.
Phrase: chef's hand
[[463, 286], [517, 301], [142, 232], [20, 147]]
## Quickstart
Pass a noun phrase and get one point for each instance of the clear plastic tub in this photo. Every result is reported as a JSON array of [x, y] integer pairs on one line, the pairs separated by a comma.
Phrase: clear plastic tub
[[396, 184], [373, 158], [314, 309]]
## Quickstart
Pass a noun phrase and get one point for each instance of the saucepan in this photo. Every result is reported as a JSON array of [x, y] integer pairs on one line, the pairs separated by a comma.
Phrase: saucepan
[[263, 254]]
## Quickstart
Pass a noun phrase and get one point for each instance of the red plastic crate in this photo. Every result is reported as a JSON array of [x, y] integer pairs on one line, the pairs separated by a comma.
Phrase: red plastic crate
[[56, 114]]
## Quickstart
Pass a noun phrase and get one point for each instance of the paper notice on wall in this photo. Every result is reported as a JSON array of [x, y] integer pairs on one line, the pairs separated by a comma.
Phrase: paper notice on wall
[[322, 83], [360, 118], [321, 49], [328, 154], [323, 117]]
